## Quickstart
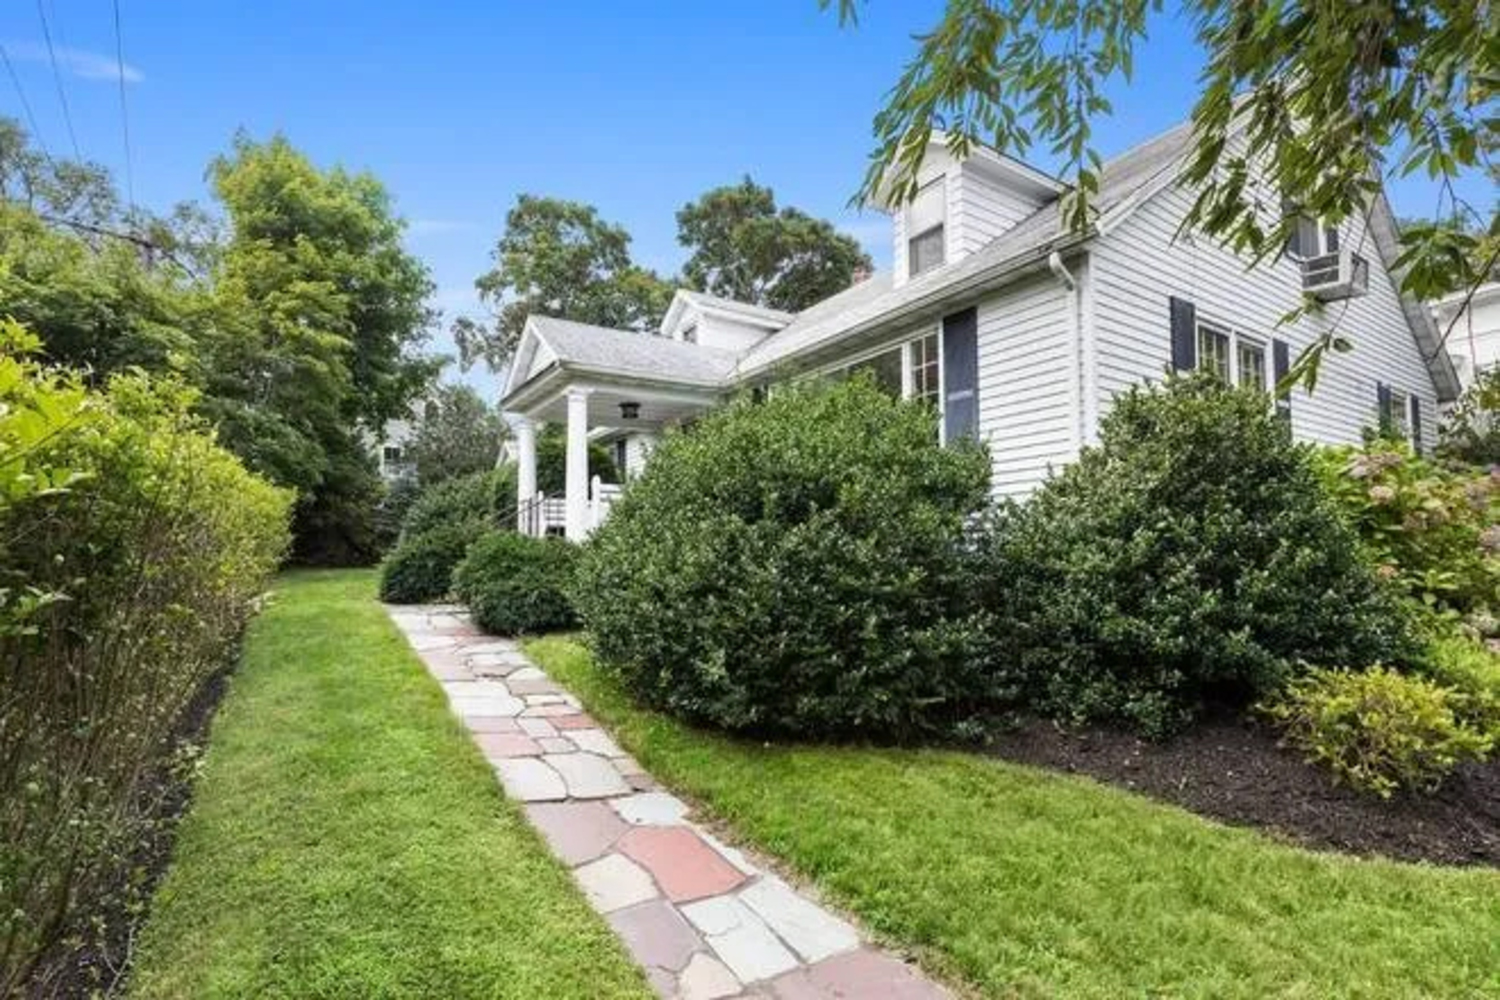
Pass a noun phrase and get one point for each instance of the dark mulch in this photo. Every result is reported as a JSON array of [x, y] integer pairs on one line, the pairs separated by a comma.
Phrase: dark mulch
[[1232, 770], [94, 957]]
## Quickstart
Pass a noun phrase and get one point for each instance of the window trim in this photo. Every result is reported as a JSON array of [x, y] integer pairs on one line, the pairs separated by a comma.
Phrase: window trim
[[1234, 338], [1400, 413]]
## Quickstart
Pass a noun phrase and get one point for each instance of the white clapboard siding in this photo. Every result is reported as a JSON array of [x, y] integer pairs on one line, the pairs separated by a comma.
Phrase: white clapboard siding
[[1027, 361], [1141, 264], [981, 209]]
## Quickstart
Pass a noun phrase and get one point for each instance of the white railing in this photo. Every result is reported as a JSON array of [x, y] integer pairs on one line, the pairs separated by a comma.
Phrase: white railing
[[544, 515], [602, 497]]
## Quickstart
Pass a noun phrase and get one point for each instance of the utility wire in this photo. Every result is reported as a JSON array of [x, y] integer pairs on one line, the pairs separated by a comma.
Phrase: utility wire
[[62, 93], [124, 110], [15, 80]]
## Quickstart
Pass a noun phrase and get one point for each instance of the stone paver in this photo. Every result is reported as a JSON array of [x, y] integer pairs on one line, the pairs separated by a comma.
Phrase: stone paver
[[863, 974], [740, 939], [577, 831], [656, 934], [706, 978], [651, 809], [507, 745], [587, 776], [705, 921], [813, 932], [528, 779], [614, 882], [685, 867], [595, 741]]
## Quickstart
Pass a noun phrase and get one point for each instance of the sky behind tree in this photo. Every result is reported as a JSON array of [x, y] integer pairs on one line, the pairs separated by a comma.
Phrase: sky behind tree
[[460, 106]]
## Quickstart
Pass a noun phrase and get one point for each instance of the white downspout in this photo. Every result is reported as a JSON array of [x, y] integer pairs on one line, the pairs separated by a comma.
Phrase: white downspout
[[1075, 388]]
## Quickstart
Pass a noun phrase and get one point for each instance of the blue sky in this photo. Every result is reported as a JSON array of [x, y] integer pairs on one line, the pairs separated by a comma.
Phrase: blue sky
[[460, 106]]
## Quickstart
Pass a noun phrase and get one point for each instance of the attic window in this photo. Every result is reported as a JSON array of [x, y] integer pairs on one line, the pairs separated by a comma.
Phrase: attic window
[[1309, 237], [925, 217]]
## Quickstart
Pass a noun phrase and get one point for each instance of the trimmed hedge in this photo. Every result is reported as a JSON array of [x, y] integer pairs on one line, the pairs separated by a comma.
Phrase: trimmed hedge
[[132, 549], [798, 566], [1193, 558], [420, 567], [514, 584]]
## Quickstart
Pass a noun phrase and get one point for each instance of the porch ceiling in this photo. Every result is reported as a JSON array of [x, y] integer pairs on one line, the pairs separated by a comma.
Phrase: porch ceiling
[[657, 408]]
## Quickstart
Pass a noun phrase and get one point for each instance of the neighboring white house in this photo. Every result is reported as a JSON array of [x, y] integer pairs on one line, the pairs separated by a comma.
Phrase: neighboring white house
[[390, 451], [1020, 331], [1474, 339]]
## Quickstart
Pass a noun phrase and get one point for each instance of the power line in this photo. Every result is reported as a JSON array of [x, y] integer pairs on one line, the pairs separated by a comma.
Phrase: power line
[[124, 110], [62, 93], [15, 80]]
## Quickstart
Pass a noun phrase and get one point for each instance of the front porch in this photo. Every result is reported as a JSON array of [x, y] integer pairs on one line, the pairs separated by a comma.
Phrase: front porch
[[583, 409]]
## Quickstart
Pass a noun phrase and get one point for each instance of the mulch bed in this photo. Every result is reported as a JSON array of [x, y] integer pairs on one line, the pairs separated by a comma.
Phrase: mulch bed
[[1232, 770], [94, 959]]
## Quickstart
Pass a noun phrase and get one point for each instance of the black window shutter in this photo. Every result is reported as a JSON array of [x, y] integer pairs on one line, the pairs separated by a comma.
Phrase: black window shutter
[[1281, 363], [1416, 423], [961, 375], [1184, 334], [1383, 406]]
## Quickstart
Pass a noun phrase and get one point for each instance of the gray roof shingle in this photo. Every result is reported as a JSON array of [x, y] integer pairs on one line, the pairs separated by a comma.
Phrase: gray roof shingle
[[642, 355]]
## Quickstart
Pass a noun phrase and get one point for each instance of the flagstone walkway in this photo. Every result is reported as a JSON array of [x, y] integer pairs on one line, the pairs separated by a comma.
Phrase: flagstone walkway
[[700, 916]]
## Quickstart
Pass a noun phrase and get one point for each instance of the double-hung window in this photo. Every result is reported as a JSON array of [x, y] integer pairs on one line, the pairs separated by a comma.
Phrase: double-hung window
[[924, 361], [925, 218], [1235, 358]]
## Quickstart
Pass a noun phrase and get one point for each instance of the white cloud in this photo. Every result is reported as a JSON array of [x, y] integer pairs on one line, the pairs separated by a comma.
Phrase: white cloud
[[84, 65]]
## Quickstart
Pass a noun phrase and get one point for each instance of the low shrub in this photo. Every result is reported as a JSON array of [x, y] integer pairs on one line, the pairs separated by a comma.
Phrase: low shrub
[[420, 567], [1430, 528], [463, 498], [798, 565], [1471, 673], [1192, 558], [1378, 730], [514, 584], [132, 549], [391, 512]]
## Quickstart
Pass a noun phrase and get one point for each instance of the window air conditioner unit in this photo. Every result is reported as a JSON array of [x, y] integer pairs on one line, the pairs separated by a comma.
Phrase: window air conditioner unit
[[1342, 274]]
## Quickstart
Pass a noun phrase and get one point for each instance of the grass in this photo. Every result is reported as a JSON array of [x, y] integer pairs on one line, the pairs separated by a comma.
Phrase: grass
[[346, 838], [1022, 882]]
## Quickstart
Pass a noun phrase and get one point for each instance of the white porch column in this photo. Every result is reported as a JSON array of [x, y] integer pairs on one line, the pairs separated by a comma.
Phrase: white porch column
[[577, 481], [525, 466]]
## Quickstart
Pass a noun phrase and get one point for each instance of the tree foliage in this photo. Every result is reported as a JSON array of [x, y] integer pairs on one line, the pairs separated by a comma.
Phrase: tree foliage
[[297, 315], [559, 258], [745, 248], [1327, 99], [454, 433]]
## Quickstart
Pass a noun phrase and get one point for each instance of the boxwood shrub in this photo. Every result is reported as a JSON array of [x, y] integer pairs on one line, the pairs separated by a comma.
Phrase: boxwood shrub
[[420, 567], [797, 565], [1191, 559], [449, 501], [515, 584]]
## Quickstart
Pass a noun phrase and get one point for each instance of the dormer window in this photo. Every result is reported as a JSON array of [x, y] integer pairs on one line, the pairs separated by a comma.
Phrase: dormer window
[[925, 217]]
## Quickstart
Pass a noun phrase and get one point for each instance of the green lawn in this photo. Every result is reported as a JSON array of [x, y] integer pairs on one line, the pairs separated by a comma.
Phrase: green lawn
[[1028, 883], [348, 840]]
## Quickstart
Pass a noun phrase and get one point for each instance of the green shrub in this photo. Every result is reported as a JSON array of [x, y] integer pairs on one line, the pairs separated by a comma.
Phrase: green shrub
[[514, 584], [1432, 529], [393, 508], [798, 565], [1471, 673], [464, 498], [1192, 558], [132, 549], [420, 567], [1378, 730]]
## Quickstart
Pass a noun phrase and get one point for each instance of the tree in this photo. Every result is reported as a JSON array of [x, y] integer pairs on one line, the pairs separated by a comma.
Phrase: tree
[[743, 248], [1327, 99], [318, 315], [558, 258], [455, 433]]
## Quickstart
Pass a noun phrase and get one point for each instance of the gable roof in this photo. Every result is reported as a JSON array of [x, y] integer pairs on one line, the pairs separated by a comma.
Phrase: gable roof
[[603, 350]]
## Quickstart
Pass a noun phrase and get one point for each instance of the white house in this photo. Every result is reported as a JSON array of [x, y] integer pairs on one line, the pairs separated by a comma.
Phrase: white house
[[1019, 330], [1473, 329]]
